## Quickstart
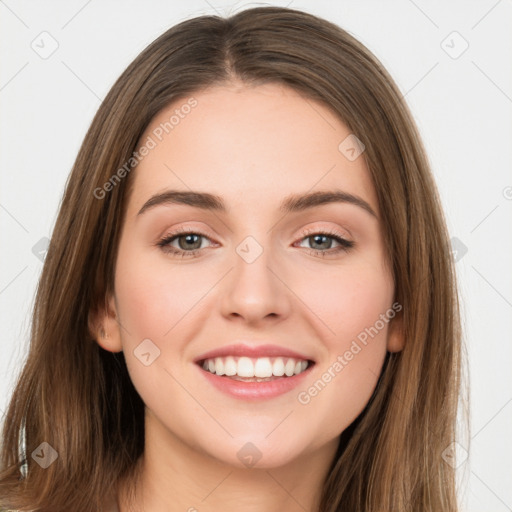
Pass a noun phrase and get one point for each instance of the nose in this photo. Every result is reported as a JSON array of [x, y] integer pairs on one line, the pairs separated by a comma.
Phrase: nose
[[256, 291]]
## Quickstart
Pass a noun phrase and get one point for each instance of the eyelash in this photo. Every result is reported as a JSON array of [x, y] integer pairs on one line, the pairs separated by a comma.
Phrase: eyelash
[[163, 243]]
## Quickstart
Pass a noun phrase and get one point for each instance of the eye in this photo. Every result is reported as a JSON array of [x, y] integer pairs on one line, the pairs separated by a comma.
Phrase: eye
[[189, 243], [321, 242]]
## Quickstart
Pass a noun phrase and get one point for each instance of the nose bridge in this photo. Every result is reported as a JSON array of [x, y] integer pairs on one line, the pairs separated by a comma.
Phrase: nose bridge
[[253, 290]]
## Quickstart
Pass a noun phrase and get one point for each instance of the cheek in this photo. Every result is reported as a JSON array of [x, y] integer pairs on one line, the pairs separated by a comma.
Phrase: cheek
[[155, 302], [153, 297], [348, 301], [351, 305]]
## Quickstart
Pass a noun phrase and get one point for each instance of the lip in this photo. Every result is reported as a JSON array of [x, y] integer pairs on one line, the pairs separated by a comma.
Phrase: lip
[[255, 390], [253, 351]]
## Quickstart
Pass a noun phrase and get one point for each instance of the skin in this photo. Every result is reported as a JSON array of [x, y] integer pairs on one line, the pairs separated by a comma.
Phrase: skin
[[253, 146]]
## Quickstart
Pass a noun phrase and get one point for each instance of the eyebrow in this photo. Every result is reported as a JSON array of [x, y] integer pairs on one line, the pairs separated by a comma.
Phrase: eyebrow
[[291, 204]]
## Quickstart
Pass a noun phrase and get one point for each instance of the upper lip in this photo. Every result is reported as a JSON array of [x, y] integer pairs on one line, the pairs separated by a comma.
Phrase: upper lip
[[253, 351]]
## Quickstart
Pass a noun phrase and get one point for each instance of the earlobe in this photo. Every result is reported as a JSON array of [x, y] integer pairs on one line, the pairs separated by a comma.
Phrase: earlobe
[[396, 337], [104, 327]]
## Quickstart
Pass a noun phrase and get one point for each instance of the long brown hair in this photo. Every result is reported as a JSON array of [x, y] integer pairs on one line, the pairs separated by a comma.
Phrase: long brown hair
[[79, 399]]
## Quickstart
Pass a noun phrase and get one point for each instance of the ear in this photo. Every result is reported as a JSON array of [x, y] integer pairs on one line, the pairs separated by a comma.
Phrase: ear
[[104, 327], [396, 337]]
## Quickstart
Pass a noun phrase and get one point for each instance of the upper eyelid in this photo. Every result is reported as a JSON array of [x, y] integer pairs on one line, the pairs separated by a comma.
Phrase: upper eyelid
[[328, 231]]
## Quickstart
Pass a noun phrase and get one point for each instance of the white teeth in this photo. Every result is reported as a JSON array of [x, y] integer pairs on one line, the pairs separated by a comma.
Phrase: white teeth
[[230, 366], [219, 366], [289, 368], [278, 367], [245, 367], [262, 367]]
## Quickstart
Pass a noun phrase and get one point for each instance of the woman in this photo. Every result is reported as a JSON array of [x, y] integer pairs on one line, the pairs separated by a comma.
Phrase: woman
[[256, 368]]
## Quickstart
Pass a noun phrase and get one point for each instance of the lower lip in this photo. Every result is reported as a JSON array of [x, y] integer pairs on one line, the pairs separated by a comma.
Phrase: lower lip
[[255, 390]]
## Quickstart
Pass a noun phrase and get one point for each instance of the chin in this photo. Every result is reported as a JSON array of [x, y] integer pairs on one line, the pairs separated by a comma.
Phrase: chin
[[259, 453]]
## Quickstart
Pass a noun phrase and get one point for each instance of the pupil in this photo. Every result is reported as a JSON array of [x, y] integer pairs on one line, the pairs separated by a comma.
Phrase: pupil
[[320, 237], [189, 239]]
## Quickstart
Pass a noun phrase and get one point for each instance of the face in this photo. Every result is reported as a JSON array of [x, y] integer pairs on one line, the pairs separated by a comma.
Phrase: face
[[309, 280]]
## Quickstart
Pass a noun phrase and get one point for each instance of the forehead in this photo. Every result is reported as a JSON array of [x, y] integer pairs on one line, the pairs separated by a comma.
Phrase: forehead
[[242, 142]]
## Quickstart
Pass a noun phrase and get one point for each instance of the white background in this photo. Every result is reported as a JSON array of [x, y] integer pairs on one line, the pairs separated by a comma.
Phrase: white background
[[462, 106]]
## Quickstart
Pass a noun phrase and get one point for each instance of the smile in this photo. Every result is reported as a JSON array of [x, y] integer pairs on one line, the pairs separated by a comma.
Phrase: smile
[[259, 369], [253, 379]]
